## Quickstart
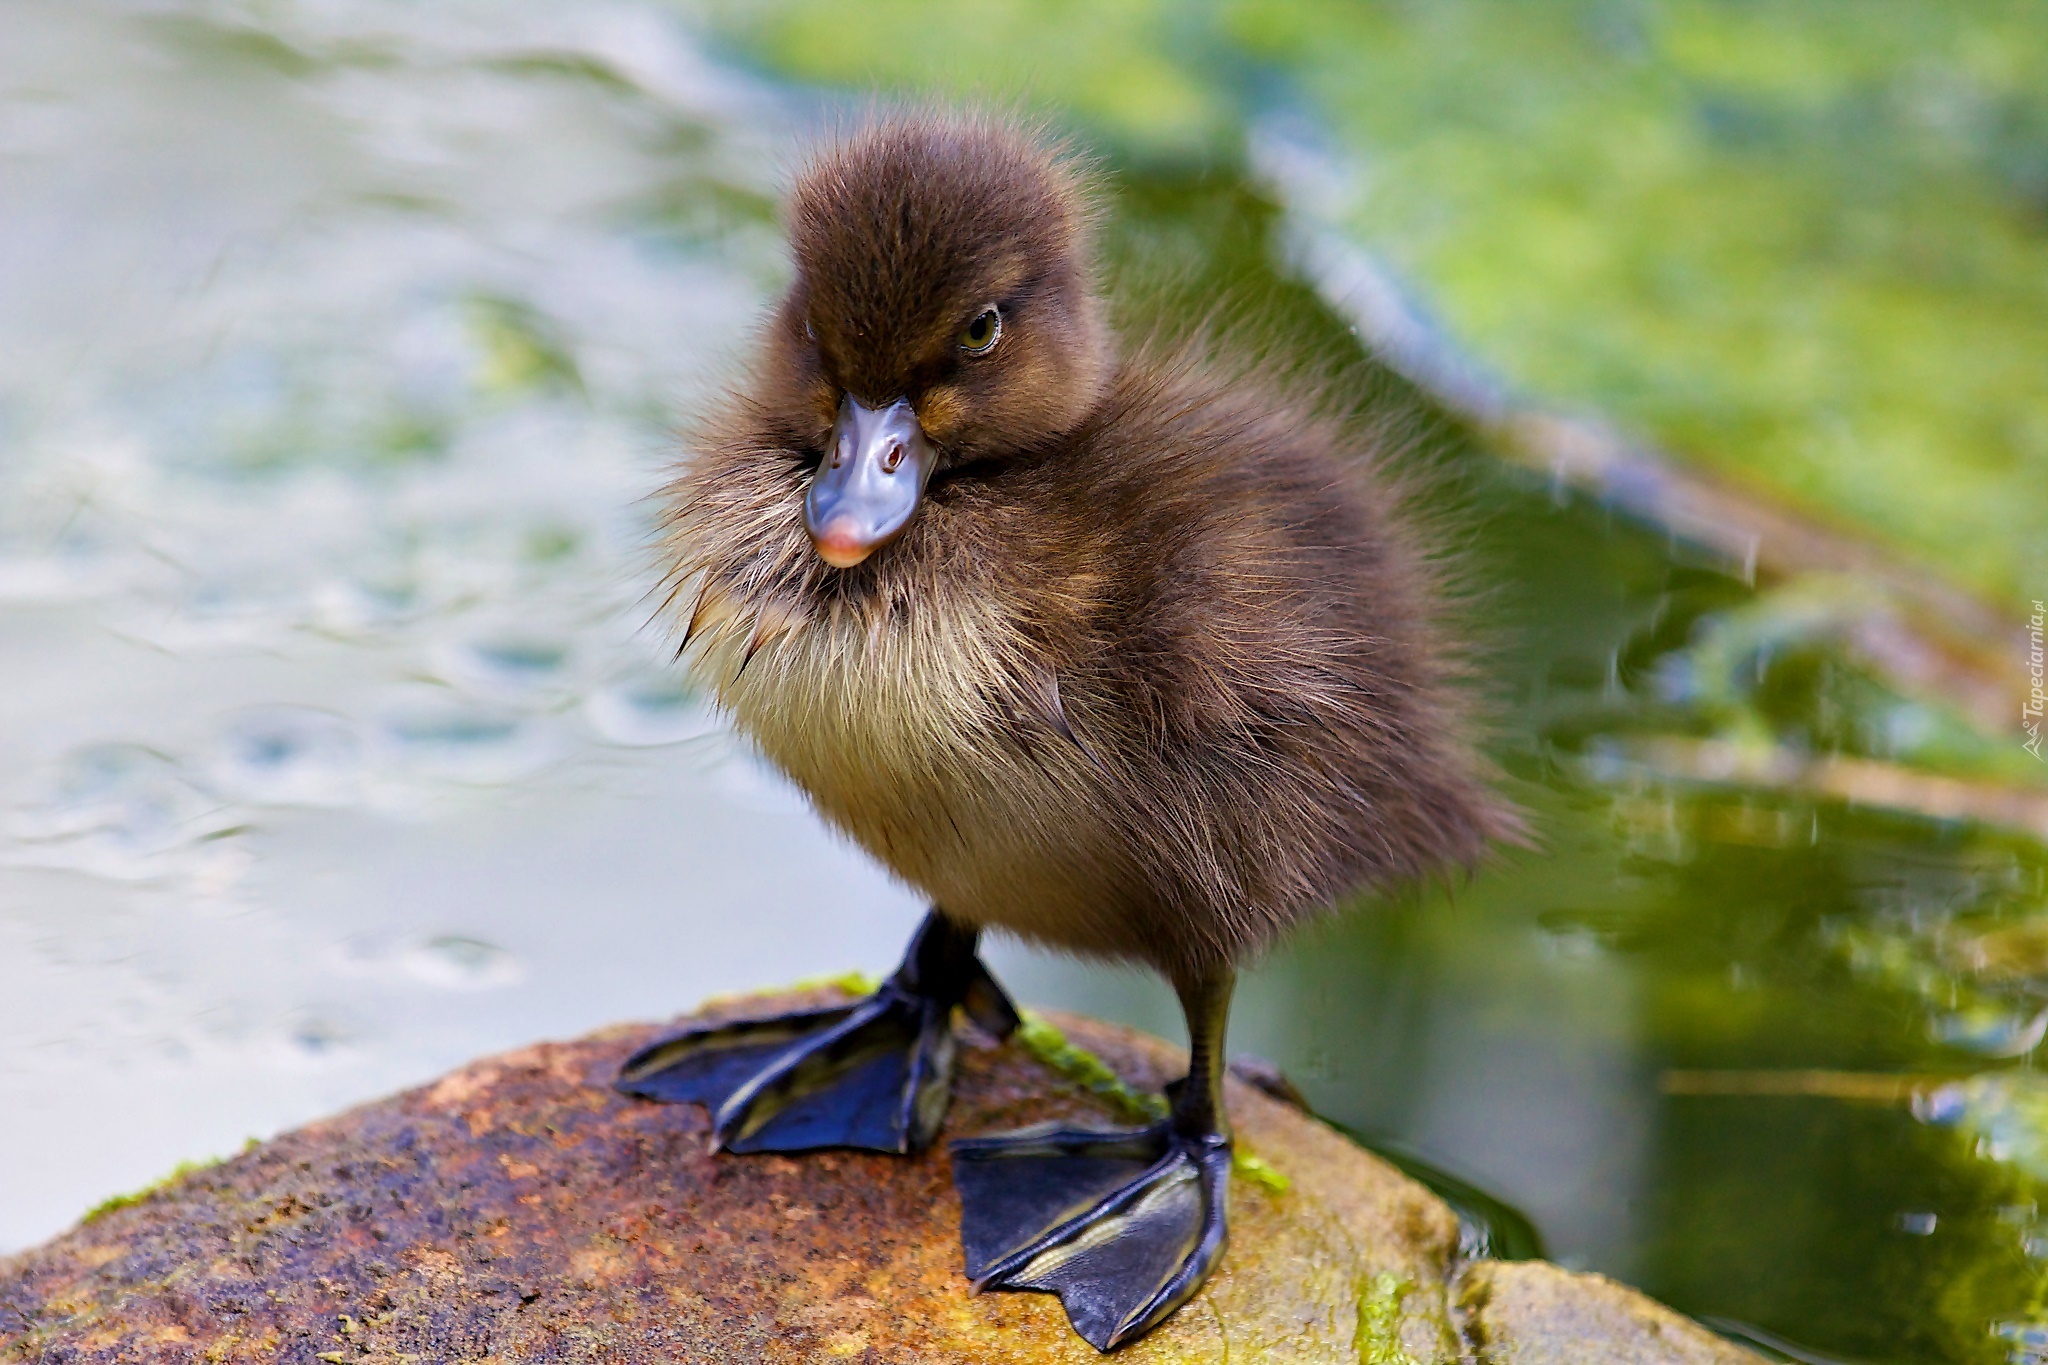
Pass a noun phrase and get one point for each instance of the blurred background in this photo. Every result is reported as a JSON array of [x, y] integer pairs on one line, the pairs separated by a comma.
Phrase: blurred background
[[342, 343]]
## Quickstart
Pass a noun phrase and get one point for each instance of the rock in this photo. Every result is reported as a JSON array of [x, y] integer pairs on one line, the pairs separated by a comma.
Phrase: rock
[[1530, 1313], [521, 1210]]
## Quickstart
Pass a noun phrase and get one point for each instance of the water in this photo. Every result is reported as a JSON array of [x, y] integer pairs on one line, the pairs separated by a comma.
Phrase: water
[[341, 346]]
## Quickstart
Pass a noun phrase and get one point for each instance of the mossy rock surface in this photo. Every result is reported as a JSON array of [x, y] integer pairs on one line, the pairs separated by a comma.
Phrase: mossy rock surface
[[1533, 1313], [519, 1209]]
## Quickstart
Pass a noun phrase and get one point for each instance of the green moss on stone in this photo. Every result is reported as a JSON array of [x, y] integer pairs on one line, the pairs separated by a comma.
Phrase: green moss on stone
[[851, 983], [1379, 1321], [1085, 1069], [162, 1182], [1052, 1047]]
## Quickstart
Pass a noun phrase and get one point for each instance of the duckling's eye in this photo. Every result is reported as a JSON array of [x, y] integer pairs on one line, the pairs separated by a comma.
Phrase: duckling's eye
[[980, 336]]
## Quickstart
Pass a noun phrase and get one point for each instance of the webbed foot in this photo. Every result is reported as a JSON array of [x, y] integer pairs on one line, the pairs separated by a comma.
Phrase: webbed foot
[[1124, 1225], [877, 1073]]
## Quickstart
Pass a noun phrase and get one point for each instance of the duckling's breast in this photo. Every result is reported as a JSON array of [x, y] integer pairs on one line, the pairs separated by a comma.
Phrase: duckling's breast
[[907, 736]]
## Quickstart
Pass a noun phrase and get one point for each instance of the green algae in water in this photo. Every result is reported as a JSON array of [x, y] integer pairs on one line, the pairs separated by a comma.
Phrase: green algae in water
[[1793, 242], [1123, 64], [521, 351]]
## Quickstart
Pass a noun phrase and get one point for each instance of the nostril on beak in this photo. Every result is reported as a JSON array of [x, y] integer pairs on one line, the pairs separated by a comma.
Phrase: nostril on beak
[[893, 458]]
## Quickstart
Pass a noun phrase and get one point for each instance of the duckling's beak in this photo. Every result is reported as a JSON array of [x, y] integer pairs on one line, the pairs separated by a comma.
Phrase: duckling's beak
[[867, 489]]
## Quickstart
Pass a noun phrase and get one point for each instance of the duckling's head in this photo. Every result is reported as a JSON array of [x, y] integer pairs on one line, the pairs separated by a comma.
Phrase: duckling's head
[[941, 315]]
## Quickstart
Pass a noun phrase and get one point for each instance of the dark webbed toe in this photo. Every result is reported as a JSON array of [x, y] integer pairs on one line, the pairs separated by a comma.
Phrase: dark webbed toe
[[704, 1065], [875, 1074], [1124, 1226]]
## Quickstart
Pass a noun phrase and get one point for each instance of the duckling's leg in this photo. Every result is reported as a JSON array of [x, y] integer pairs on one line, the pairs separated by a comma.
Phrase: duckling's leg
[[1123, 1225], [875, 1074]]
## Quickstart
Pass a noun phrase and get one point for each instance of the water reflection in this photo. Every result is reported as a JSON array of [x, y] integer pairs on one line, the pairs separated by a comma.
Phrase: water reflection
[[116, 810], [649, 707], [342, 346], [288, 756]]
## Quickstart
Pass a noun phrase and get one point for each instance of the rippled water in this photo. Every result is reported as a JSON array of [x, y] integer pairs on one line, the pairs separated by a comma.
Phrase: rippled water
[[340, 349]]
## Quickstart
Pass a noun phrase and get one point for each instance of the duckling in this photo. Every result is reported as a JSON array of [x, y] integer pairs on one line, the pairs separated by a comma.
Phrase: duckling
[[1112, 652]]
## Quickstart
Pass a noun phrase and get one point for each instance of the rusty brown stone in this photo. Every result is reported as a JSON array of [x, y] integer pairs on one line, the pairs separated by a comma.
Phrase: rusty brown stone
[[1531, 1313], [520, 1210]]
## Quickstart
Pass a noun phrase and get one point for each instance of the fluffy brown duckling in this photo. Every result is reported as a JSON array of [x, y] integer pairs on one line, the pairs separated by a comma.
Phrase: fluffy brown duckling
[[1120, 655]]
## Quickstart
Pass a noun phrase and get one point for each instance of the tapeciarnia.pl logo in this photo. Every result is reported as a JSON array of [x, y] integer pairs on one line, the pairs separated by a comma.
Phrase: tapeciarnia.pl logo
[[2030, 713]]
